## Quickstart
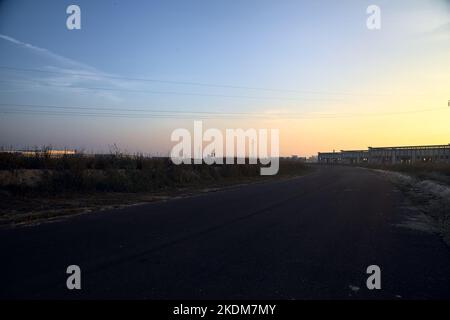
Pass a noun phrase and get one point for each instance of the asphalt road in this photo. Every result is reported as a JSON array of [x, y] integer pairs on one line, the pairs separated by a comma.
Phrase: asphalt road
[[310, 237]]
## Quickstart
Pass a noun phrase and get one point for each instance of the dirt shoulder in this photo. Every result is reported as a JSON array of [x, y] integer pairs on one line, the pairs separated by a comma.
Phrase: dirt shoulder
[[432, 197]]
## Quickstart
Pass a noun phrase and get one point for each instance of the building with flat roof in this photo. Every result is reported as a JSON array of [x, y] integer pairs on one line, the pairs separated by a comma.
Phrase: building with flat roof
[[389, 155], [329, 157], [410, 154], [354, 156]]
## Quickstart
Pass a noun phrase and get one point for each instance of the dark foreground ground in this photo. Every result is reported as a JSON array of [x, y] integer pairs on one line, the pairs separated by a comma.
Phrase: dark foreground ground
[[306, 238]]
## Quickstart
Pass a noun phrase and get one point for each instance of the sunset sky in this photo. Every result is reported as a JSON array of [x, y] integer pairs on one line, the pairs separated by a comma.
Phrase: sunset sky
[[137, 70]]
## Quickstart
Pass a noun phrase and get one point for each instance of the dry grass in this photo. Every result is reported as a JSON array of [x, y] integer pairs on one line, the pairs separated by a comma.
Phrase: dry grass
[[423, 171], [430, 196], [36, 188]]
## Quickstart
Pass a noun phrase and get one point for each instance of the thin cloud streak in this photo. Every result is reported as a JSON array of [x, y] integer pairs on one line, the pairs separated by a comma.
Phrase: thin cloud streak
[[68, 76], [47, 53]]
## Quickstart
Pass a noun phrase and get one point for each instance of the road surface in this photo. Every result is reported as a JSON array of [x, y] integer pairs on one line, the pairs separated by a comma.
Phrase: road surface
[[310, 237]]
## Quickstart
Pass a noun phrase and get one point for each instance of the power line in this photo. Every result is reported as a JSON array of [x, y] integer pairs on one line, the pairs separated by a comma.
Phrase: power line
[[179, 114], [143, 109], [129, 110], [101, 115], [201, 84], [52, 84]]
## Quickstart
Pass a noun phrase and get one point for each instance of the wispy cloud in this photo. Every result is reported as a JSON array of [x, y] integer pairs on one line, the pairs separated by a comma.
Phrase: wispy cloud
[[69, 73], [442, 31], [47, 53]]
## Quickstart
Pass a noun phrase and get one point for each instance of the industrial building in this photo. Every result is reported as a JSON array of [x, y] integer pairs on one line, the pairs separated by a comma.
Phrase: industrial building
[[389, 155]]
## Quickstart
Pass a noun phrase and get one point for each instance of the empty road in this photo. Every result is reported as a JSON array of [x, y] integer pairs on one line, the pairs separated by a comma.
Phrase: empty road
[[310, 237]]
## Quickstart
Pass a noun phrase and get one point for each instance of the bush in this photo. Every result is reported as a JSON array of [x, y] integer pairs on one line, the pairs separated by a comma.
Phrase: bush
[[125, 173]]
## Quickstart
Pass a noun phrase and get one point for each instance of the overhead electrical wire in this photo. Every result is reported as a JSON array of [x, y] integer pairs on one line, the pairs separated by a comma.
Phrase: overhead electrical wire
[[188, 83], [178, 93], [180, 114]]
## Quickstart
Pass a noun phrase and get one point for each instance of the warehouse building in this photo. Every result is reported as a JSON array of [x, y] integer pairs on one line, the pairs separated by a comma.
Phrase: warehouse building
[[389, 155], [354, 156], [329, 157]]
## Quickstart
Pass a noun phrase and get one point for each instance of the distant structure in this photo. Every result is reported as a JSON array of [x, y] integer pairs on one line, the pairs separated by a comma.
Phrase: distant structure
[[312, 159], [39, 153], [389, 155], [297, 158]]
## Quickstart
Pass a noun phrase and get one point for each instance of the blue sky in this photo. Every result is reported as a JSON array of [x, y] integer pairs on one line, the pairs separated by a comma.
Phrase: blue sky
[[321, 49]]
